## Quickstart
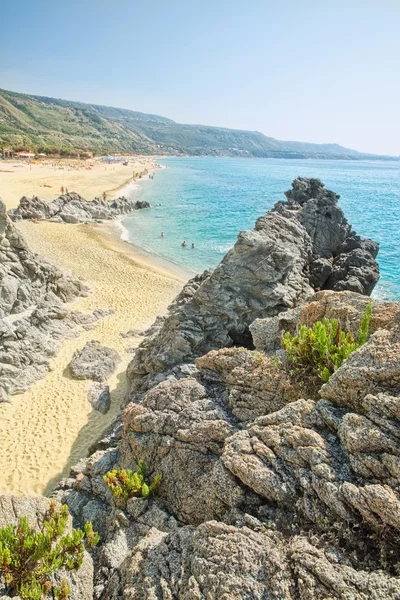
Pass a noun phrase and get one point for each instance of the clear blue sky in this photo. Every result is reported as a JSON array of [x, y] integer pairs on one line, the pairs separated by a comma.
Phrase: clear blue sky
[[308, 70]]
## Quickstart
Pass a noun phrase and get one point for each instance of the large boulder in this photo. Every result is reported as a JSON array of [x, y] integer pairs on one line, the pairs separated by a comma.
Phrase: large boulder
[[347, 307], [94, 361]]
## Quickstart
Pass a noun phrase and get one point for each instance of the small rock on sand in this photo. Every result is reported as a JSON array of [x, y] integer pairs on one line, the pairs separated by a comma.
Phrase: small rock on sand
[[94, 361]]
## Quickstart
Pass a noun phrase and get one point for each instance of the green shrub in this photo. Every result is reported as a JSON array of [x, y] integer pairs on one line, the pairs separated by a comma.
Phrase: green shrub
[[29, 557], [125, 484], [317, 351]]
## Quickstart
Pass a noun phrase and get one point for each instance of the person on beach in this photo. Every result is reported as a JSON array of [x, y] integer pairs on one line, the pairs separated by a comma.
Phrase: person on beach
[[62, 189], [66, 190], [183, 243], [104, 196]]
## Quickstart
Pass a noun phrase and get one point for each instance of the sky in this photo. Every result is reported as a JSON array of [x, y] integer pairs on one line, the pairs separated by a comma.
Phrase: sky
[[305, 70]]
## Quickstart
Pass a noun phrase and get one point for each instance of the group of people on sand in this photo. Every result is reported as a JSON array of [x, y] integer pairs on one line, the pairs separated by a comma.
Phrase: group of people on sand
[[184, 244]]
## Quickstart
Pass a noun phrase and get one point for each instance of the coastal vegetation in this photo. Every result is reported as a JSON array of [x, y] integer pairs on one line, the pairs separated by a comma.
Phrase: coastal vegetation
[[316, 352], [56, 126], [125, 484], [29, 558]]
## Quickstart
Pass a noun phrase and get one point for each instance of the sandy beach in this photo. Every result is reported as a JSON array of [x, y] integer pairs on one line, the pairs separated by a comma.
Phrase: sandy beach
[[45, 180], [48, 428]]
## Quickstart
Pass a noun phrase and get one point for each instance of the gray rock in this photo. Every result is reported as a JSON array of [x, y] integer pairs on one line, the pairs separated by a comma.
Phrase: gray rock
[[94, 361], [347, 307], [33, 321], [100, 397], [72, 208]]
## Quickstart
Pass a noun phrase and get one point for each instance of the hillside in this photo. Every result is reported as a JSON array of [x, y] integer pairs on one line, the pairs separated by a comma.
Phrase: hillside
[[54, 125]]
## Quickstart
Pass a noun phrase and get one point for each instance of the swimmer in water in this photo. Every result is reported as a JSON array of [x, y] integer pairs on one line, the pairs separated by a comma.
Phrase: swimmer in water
[[162, 234], [192, 245], [183, 243]]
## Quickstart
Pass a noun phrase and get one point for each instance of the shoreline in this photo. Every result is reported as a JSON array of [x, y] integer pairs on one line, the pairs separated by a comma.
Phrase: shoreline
[[115, 230], [120, 234], [89, 179]]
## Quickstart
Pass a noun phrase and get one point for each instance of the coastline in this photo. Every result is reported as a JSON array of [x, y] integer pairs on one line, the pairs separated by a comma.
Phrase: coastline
[[116, 232], [120, 235], [89, 179], [51, 426]]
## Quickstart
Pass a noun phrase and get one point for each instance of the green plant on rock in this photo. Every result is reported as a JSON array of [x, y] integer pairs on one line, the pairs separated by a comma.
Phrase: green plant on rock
[[125, 484], [317, 351], [29, 557]]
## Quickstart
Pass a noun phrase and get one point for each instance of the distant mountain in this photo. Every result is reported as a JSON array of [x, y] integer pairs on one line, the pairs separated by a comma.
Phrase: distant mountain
[[60, 126]]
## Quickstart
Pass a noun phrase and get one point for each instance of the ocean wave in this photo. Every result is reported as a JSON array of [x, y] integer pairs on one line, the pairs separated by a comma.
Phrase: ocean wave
[[385, 291], [124, 233], [222, 249]]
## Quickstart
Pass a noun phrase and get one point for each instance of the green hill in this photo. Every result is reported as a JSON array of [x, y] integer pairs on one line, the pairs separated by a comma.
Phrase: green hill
[[53, 125]]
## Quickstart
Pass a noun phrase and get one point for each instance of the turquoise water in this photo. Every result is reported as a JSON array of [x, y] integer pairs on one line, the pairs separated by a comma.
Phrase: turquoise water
[[207, 201]]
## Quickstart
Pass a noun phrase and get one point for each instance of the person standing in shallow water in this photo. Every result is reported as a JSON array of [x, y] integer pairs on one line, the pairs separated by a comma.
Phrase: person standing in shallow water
[[183, 243], [162, 234], [192, 244]]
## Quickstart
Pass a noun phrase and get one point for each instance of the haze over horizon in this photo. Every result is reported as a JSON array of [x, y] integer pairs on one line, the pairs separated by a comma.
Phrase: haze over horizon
[[295, 71]]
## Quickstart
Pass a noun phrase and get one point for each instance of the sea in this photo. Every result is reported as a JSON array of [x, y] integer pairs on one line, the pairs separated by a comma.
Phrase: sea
[[207, 201]]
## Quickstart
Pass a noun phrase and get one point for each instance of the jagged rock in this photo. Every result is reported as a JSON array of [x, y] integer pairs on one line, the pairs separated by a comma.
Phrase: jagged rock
[[270, 269], [25, 278], [12, 508], [29, 340], [94, 361], [221, 561], [72, 208], [100, 397], [185, 438], [32, 318], [373, 369]]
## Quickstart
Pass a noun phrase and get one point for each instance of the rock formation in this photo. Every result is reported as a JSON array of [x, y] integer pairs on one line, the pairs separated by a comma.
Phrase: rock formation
[[301, 245], [33, 317], [264, 494], [72, 208]]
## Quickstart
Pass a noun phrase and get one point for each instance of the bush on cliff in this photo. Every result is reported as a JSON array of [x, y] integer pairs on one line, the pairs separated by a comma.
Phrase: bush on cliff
[[28, 558], [317, 351], [125, 484]]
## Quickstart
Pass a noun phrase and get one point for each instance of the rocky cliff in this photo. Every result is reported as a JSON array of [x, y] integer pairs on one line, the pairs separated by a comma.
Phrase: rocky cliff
[[264, 493], [33, 317]]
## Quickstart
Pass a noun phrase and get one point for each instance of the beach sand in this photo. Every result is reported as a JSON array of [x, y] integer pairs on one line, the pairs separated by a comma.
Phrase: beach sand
[[19, 179], [48, 428]]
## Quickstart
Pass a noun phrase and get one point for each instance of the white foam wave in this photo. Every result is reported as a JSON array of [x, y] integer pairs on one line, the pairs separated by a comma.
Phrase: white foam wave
[[124, 233]]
